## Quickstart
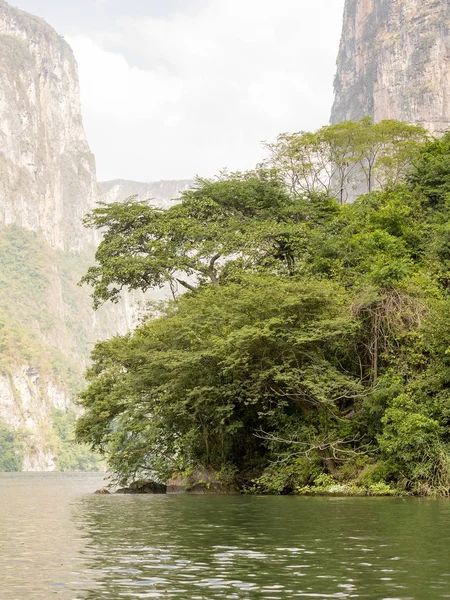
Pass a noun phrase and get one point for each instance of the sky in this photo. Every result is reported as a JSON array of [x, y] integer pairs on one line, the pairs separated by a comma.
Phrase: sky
[[171, 89]]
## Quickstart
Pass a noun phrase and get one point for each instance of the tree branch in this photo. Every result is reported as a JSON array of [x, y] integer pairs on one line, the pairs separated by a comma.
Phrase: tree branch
[[186, 285]]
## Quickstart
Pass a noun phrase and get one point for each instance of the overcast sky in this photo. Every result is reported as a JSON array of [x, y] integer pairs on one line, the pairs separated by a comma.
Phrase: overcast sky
[[175, 88]]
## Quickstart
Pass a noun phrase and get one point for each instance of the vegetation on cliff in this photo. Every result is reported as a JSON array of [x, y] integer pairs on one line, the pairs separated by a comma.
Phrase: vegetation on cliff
[[310, 351], [10, 449], [40, 346]]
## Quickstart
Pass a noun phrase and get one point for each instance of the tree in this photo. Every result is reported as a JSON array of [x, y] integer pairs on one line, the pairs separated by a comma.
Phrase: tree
[[347, 158], [319, 162], [216, 222], [387, 151], [10, 449], [197, 384], [431, 172], [311, 344]]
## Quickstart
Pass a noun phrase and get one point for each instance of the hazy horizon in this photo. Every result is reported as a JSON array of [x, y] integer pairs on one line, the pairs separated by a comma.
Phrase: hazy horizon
[[175, 88]]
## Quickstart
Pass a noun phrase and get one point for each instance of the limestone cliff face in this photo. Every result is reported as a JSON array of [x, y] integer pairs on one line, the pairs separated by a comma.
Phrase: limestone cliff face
[[162, 192], [47, 172], [47, 330], [394, 62], [27, 404], [47, 184]]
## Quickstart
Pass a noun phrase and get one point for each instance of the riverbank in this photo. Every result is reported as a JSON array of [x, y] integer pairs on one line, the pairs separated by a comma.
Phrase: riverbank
[[208, 482]]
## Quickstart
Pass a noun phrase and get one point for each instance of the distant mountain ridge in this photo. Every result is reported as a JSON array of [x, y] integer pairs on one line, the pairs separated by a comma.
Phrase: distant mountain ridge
[[162, 192]]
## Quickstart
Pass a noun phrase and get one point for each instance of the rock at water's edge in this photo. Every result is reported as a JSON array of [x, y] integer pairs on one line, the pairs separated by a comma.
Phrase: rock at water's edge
[[200, 481], [144, 487]]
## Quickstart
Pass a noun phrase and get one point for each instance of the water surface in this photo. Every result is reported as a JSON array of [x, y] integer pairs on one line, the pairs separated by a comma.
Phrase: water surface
[[57, 540]]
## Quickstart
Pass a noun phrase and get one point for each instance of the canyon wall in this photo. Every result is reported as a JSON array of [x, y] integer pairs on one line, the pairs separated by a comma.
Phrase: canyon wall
[[394, 62], [47, 171], [47, 184]]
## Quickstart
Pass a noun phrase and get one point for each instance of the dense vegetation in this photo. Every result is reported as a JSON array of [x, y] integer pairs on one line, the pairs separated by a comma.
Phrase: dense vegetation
[[36, 337], [311, 348], [10, 449]]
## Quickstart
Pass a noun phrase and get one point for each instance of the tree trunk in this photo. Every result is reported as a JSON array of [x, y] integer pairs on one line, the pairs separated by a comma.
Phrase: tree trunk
[[375, 348], [329, 462]]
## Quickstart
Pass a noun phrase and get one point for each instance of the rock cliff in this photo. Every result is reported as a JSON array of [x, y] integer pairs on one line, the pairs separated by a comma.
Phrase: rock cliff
[[27, 405], [394, 62], [47, 184], [47, 171]]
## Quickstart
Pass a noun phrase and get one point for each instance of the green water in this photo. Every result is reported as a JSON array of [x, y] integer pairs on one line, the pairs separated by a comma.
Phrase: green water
[[59, 541]]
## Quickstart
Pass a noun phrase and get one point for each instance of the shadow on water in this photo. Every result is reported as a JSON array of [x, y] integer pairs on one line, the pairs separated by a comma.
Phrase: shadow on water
[[263, 547]]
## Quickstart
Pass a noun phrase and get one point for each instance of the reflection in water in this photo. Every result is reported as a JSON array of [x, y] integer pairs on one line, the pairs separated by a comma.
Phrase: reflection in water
[[58, 542], [243, 547], [40, 549]]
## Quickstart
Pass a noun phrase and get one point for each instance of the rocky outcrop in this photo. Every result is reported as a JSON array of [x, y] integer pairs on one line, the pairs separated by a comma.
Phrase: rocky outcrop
[[161, 192], [47, 171], [144, 487], [200, 481], [394, 62], [27, 403]]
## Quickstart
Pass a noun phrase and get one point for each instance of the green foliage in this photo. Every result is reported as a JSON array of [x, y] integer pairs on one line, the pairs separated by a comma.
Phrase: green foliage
[[325, 485], [144, 246], [219, 366], [23, 282], [380, 489], [288, 476], [33, 334], [338, 159], [29, 328], [431, 172], [310, 352], [10, 449], [71, 456]]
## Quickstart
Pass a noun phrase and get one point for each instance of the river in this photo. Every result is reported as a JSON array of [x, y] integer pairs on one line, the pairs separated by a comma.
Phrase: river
[[58, 540]]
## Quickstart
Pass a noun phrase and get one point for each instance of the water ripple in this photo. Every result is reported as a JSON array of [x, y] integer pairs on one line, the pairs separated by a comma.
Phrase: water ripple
[[56, 540]]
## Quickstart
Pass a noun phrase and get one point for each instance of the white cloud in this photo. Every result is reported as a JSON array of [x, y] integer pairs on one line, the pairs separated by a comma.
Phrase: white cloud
[[166, 98]]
